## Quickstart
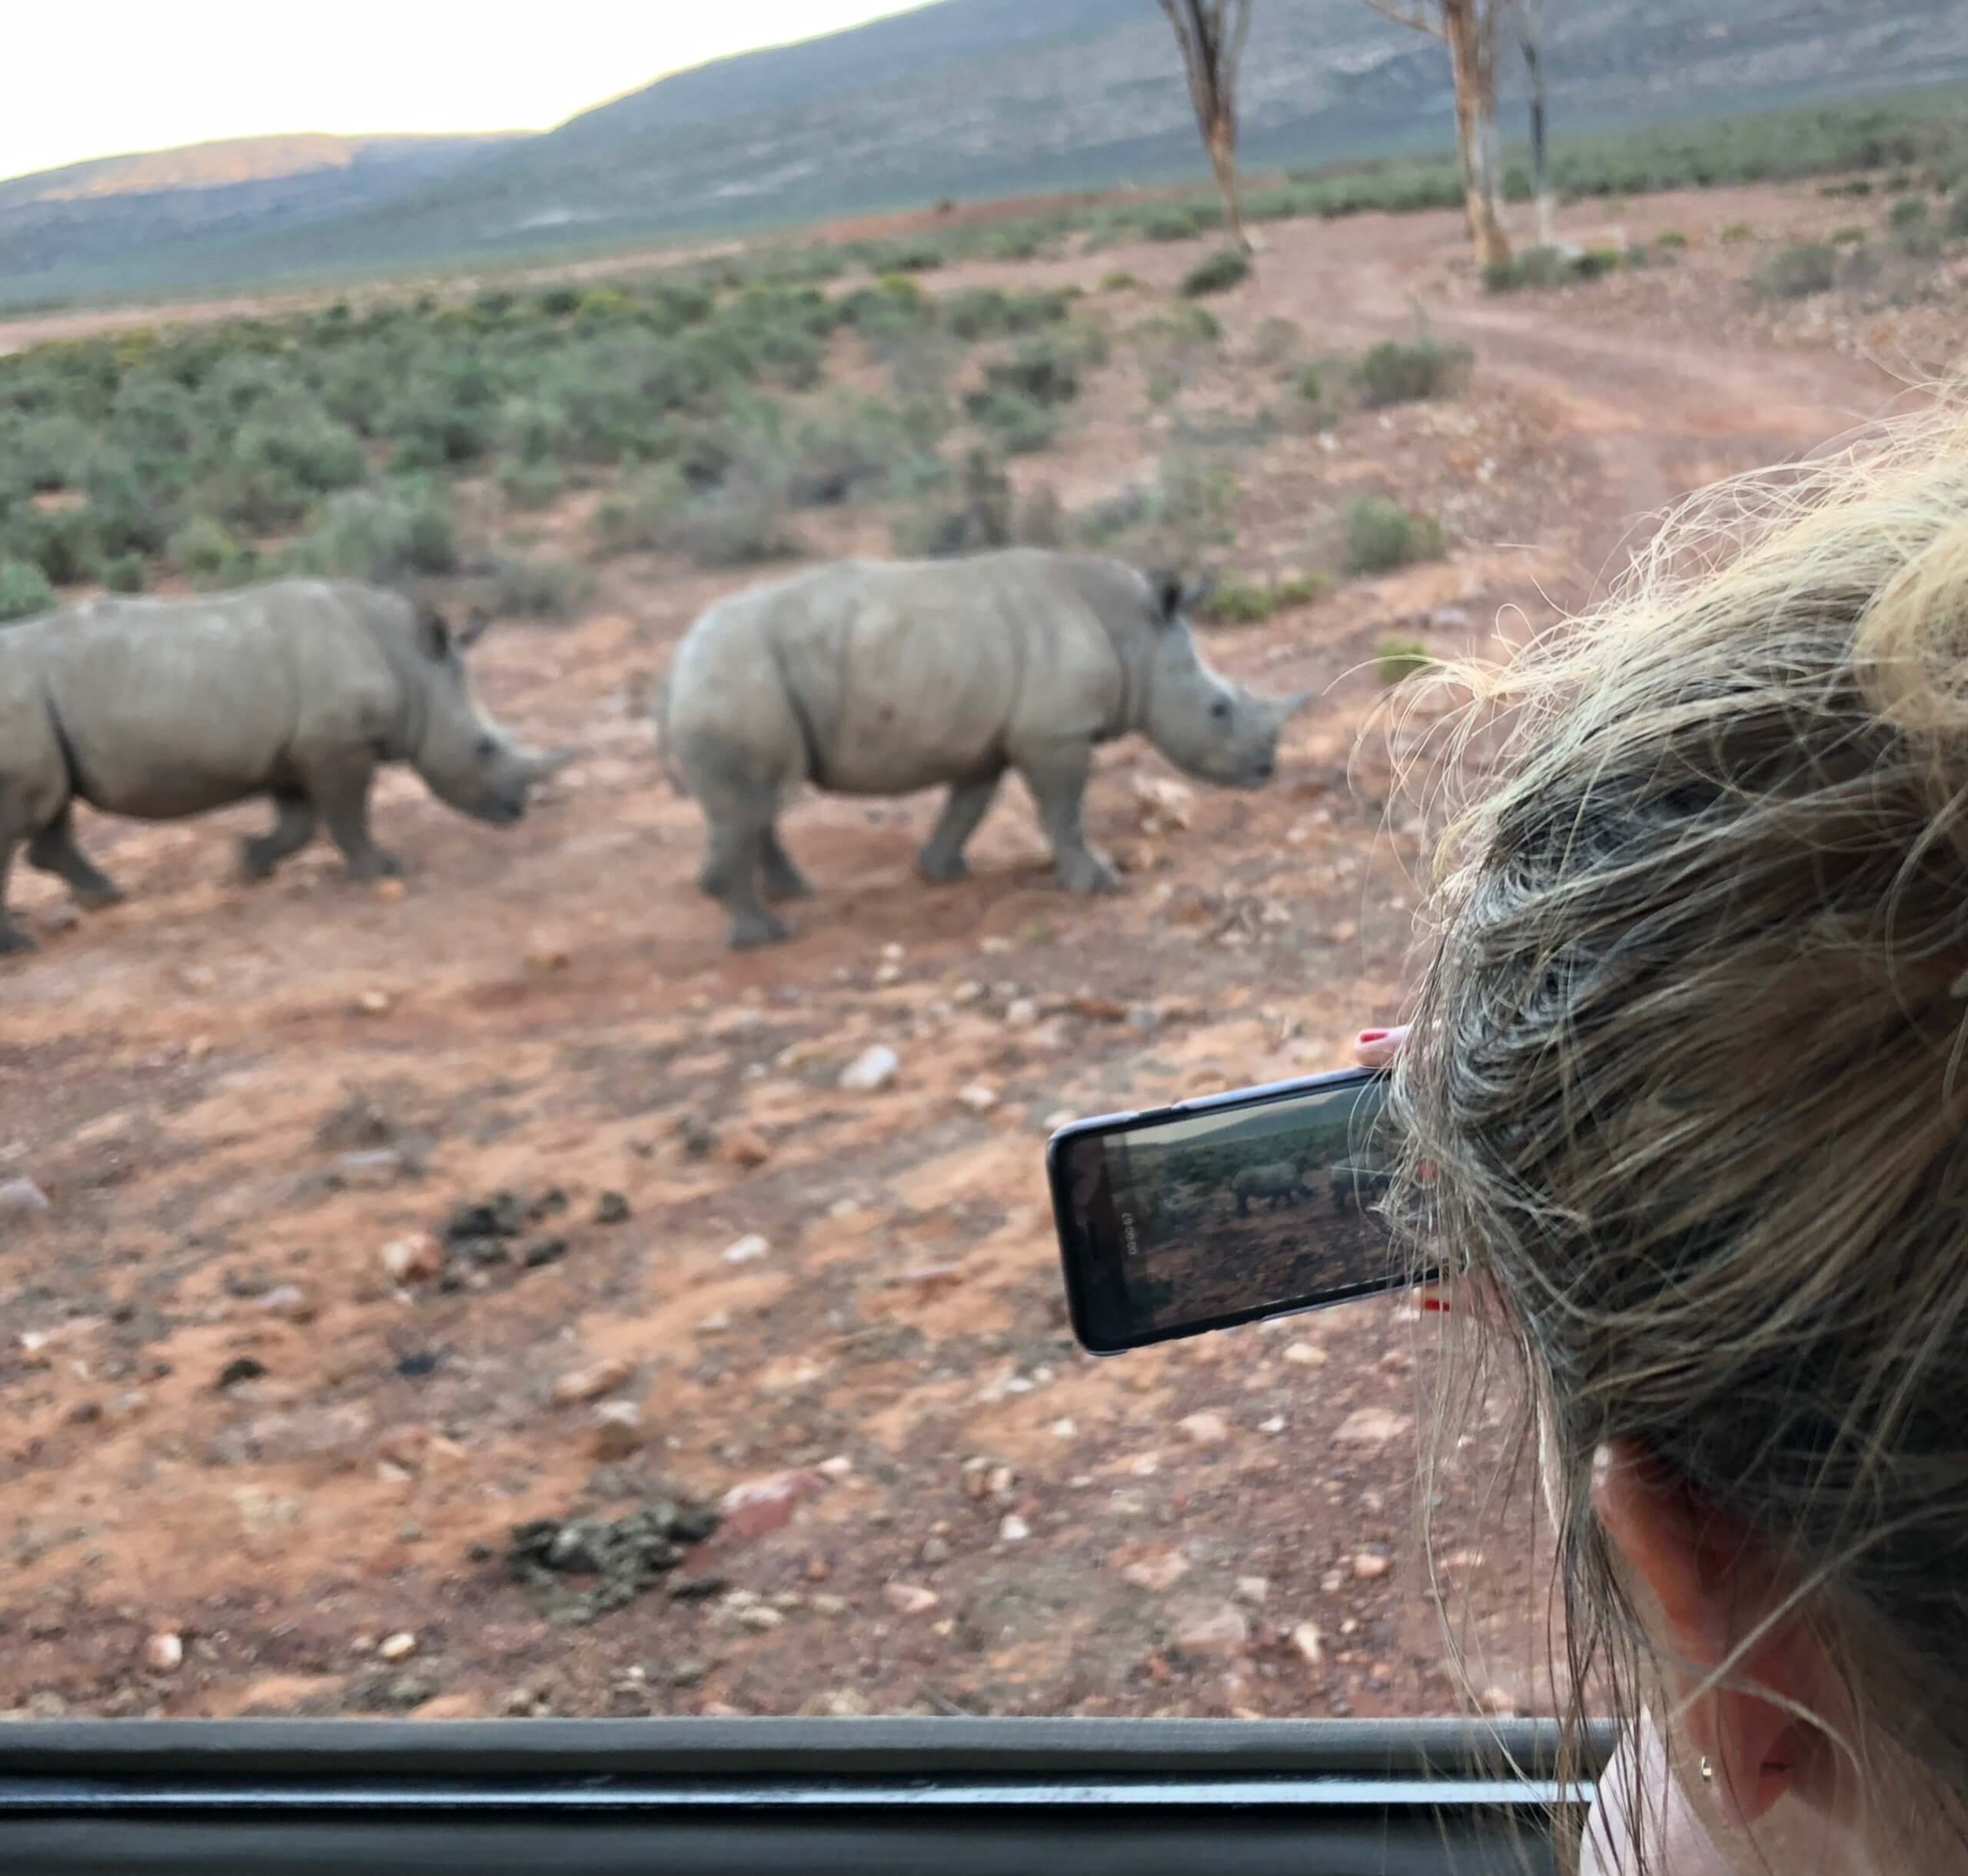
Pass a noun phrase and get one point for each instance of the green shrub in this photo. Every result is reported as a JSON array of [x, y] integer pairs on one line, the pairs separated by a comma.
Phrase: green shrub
[[1395, 372], [125, 573], [1381, 536], [1019, 425], [1181, 221], [61, 542], [742, 520], [987, 312], [208, 555], [1957, 214], [538, 589], [1401, 658], [51, 452], [1236, 603], [1120, 281], [379, 534], [1672, 239], [643, 515], [1044, 371], [1736, 233], [1852, 235], [1914, 232], [524, 483], [25, 590], [848, 449], [1795, 272], [1217, 275], [1856, 185], [1910, 211], [1276, 340]]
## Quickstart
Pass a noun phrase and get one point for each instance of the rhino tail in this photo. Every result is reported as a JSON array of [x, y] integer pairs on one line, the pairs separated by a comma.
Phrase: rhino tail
[[659, 714]]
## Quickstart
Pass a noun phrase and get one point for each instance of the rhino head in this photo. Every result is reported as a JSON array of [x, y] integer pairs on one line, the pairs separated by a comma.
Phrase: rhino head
[[467, 760], [1207, 726]]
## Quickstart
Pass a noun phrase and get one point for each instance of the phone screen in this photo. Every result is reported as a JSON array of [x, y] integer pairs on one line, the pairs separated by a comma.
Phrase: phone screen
[[1224, 1210]]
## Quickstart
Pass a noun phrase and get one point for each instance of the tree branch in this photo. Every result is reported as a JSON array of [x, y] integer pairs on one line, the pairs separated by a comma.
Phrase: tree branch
[[1416, 22]]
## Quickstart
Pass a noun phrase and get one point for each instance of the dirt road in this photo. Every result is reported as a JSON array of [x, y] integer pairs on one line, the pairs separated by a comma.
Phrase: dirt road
[[220, 1417]]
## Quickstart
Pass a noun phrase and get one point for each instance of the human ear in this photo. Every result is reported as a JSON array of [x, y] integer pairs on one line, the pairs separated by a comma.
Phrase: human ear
[[1739, 1667]]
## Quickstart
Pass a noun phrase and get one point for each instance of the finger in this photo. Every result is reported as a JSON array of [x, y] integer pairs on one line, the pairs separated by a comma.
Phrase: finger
[[1377, 1048]]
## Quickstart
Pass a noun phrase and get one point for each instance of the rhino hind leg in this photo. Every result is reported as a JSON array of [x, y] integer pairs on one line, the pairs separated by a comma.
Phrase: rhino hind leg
[[12, 938], [1057, 777], [53, 850], [967, 803], [343, 797], [783, 880], [731, 874], [295, 819]]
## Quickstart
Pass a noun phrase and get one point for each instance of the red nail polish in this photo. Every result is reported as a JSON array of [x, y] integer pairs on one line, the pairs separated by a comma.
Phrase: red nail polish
[[1373, 1035], [1435, 1304]]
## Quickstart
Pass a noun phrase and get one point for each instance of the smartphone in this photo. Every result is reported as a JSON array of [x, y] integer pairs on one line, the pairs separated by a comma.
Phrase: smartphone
[[1230, 1209]]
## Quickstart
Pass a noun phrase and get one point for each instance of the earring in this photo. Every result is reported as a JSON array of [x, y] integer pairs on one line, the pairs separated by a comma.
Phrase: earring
[[1707, 1771]]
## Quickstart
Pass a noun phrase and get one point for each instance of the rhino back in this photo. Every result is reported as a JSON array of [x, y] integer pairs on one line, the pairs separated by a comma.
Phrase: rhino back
[[172, 707]]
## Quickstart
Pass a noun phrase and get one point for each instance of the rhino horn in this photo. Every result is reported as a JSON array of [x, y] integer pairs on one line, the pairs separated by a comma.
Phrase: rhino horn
[[541, 764]]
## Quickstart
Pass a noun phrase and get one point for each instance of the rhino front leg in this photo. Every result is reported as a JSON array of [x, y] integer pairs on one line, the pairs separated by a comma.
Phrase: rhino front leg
[[343, 797], [1057, 777], [295, 819], [53, 850], [967, 803], [783, 880]]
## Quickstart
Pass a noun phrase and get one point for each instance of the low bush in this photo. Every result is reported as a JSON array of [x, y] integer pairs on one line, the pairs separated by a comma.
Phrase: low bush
[[528, 484], [208, 556], [643, 515], [1397, 372], [25, 590], [61, 542], [1795, 272], [125, 573], [1217, 275], [1236, 603], [1914, 232], [1120, 281], [379, 534], [1736, 233], [1401, 658], [1276, 340], [525, 589], [1019, 425], [1672, 240], [1381, 536], [1957, 214]]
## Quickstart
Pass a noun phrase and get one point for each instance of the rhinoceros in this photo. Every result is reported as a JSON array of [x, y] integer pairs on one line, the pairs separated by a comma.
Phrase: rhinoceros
[[297, 691], [867, 677], [1277, 1184]]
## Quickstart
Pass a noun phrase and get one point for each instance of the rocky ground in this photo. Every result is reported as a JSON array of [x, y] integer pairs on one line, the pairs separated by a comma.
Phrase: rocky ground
[[488, 1295]]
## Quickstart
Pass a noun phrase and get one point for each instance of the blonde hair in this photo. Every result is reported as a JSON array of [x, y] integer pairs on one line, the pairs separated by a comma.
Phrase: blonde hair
[[1686, 1085]]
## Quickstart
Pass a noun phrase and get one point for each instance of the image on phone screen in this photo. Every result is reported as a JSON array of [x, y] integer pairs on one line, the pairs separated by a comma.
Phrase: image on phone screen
[[1224, 1210]]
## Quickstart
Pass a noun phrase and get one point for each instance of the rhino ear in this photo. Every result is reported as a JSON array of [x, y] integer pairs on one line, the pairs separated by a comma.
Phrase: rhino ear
[[468, 634], [1198, 590], [1164, 586], [434, 634]]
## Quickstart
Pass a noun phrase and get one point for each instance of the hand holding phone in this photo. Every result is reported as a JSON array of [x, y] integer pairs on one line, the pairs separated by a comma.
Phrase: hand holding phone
[[1227, 1209]]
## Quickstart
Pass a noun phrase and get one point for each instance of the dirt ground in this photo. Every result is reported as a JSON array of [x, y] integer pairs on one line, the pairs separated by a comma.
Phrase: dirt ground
[[838, 1313]]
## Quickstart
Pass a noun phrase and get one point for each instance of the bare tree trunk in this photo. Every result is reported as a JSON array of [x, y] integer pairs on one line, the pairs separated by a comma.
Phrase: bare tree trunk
[[1530, 26], [1210, 34], [1466, 25], [1220, 141]]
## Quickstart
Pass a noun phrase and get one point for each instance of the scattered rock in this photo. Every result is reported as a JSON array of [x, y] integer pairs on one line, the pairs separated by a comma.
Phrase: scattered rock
[[758, 1617], [873, 1070], [369, 1168], [1499, 1701], [748, 1249], [418, 1258], [625, 1558], [909, 1599], [374, 1002], [839, 1467], [22, 1198], [1370, 1426], [744, 1147], [611, 1208], [1013, 1530], [398, 1647], [598, 1377], [1304, 1355], [616, 1431], [1164, 802], [1022, 1013], [289, 1302], [933, 1551], [1159, 1570], [549, 954], [1305, 1638], [756, 1505], [980, 1096], [390, 891], [1203, 1626], [164, 1653], [126, 1405], [1253, 1589], [242, 1368], [1206, 1429], [1369, 1564]]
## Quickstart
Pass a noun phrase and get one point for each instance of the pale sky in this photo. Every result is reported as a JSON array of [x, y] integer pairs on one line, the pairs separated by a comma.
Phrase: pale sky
[[103, 77]]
